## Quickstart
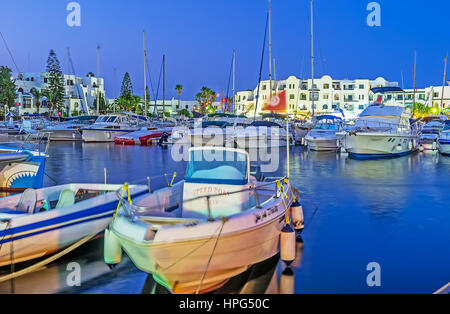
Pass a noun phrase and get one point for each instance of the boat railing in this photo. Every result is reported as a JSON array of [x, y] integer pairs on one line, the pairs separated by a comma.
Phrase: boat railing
[[32, 142], [274, 186], [366, 126]]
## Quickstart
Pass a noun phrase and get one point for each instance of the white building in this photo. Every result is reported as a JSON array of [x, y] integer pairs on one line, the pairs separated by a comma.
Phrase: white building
[[80, 93], [330, 94]]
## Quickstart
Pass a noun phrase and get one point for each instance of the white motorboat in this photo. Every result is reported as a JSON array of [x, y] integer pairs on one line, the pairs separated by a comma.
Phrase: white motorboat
[[195, 235], [444, 139], [322, 137], [380, 131], [261, 134], [430, 134], [107, 127], [39, 222], [69, 130]]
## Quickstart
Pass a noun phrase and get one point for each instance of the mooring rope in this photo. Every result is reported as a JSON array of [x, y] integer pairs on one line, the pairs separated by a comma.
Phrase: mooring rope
[[224, 220], [48, 260]]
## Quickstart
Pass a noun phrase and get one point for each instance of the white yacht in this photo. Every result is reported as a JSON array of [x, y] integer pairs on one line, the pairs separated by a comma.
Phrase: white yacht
[[107, 127], [444, 139], [261, 134], [69, 130], [430, 134], [380, 131], [322, 137]]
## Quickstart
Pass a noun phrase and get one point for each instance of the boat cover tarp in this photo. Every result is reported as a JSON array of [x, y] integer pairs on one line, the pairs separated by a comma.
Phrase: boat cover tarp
[[380, 110]]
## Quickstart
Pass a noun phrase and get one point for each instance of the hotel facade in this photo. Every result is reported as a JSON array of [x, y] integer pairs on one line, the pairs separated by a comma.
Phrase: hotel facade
[[80, 93], [350, 96]]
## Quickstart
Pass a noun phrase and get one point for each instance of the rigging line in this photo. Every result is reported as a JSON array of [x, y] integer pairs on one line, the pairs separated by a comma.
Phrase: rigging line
[[261, 67], [229, 77], [10, 53], [157, 92], [319, 45], [149, 76]]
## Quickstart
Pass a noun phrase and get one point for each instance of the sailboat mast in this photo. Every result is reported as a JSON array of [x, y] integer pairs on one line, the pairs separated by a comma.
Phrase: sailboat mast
[[312, 57], [98, 79], [234, 78], [114, 87], [164, 87], [270, 50], [145, 77], [414, 84], [443, 83]]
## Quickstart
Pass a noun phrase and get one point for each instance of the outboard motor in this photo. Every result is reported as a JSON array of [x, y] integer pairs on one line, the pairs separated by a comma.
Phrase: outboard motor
[[164, 138]]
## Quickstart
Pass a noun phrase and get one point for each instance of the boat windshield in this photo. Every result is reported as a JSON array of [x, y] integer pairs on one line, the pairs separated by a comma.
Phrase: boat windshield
[[326, 126], [102, 119], [111, 119], [217, 167]]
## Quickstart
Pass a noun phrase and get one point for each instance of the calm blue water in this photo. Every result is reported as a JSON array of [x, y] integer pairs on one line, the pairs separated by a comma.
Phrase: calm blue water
[[394, 212]]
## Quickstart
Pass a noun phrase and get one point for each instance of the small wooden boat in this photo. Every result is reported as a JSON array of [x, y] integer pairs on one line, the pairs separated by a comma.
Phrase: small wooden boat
[[195, 235], [39, 222]]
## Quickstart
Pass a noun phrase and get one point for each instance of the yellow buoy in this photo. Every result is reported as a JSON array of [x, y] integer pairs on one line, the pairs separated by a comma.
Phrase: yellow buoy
[[287, 244], [112, 248]]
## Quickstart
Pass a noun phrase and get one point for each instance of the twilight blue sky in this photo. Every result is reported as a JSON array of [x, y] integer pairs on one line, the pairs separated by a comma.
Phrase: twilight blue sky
[[198, 37]]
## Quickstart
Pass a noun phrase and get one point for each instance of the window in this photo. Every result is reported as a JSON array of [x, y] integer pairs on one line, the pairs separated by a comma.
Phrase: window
[[326, 96], [361, 86], [435, 94], [325, 107], [326, 86], [361, 107], [45, 80], [400, 97], [422, 96], [291, 96], [264, 87], [336, 96], [303, 96]]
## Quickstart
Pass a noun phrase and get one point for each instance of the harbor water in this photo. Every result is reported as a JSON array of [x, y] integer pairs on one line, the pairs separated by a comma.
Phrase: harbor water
[[393, 212]]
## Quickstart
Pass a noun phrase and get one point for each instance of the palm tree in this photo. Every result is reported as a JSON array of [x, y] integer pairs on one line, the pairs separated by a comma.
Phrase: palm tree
[[179, 89], [38, 95]]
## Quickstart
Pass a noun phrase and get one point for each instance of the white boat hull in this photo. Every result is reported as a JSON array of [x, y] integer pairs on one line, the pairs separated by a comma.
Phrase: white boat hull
[[106, 135], [373, 145], [322, 144], [177, 257], [259, 142]]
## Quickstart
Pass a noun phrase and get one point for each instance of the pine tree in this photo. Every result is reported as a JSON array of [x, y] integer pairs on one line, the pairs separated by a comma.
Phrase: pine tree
[[126, 91], [55, 89], [7, 87]]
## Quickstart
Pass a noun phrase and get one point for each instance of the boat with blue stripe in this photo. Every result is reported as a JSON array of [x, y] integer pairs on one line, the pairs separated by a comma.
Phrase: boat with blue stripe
[[40, 222]]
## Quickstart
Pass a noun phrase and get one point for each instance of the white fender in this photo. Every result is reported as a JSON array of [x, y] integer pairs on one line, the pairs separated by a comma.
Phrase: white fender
[[297, 216], [287, 244], [112, 248]]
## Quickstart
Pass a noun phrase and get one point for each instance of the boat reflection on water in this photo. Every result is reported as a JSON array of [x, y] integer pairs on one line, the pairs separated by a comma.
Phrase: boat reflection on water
[[268, 277], [60, 276]]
